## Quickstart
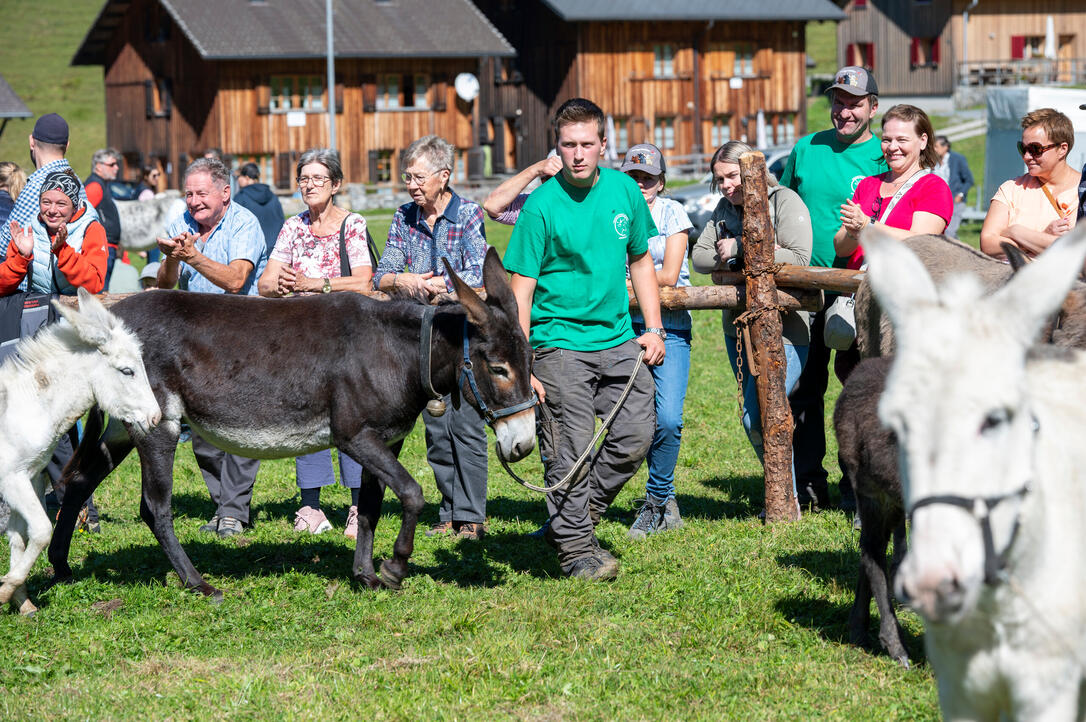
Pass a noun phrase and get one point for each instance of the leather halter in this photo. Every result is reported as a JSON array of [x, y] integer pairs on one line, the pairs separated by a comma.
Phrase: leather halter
[[436, 404], [491, 415]]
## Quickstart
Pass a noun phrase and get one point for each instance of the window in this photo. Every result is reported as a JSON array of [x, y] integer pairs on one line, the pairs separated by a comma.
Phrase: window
[[416, 89], [784, 131], [296, 92], [663, 65], [388, 92], [158, 95], [859, 4], [861, 54], [621, 141], [924, 52], [744, 60], [665, 133], [383, 167], [1026, 47], [720, 132]]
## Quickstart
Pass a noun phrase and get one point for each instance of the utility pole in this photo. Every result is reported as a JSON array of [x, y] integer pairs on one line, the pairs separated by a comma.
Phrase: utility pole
[[331, 74]]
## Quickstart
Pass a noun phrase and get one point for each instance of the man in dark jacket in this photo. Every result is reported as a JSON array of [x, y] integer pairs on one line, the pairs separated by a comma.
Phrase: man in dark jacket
[[105, 164], [954, 169], [260, 199]]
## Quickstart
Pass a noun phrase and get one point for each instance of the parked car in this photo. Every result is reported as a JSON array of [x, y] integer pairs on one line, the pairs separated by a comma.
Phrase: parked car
[[123, 190], [699, 201]]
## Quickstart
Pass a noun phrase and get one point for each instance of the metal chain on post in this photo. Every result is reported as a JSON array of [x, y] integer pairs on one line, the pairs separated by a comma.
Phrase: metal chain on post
[[739, 369], [741, 323]]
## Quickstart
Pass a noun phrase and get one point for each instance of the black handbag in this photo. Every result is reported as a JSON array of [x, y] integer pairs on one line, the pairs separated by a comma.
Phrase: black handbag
[[344, 262]]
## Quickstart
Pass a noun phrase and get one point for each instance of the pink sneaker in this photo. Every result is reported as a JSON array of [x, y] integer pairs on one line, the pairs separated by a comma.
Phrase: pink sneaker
[[312, 520], [351, 532]]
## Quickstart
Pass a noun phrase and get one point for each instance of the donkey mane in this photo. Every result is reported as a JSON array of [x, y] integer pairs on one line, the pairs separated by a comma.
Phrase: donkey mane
[[50, 342]]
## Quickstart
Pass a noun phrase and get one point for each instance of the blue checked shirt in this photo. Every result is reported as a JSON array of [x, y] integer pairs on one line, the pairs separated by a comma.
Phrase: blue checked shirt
[[237, 236], [458, 235], [27, 205]]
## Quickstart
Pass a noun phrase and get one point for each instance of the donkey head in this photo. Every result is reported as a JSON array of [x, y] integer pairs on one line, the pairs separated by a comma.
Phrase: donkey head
[[500, 359], [957, 398], [117, 377]]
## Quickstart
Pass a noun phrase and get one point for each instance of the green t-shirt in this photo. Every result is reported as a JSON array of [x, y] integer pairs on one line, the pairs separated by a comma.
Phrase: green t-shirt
[[574, 242], [825, 173]]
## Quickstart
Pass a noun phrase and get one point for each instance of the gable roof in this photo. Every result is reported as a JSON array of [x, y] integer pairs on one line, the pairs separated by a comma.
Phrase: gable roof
[[11, 105], [260, 29], [664, 10]]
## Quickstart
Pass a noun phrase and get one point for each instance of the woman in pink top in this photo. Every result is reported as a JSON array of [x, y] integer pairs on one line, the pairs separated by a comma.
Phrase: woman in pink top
[[908, 199], [1034, 209]]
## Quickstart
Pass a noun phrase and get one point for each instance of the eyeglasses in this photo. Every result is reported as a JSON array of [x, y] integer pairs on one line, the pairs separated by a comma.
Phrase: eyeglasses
[[316, 181], [1036, 150], [418, 180], [112, 163]]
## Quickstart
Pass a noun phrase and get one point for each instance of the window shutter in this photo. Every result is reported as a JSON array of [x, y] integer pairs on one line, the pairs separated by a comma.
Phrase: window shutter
[[149, 97], [263, 96], [441, 85], [914, 52], [282, 171], [859, 4], [1018, 47], [850, 54], [870, 56], [339, 97], [935, 49], [167, 97], [373, 166], [369, 93]]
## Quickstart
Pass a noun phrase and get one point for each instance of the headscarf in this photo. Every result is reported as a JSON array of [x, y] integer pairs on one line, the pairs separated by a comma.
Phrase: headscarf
[[65, 182]]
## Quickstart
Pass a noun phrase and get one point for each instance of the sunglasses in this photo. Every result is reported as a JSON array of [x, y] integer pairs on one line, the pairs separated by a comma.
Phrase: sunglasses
[[1036, 150]]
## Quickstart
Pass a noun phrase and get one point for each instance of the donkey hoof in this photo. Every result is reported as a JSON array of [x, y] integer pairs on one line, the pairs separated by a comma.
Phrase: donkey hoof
[[388, 577], [371, 581], [27, 609], [6, 590]]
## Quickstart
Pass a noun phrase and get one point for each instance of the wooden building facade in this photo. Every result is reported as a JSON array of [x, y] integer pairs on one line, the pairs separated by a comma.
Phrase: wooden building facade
[[929, 47], [685, 76], [178, 82]]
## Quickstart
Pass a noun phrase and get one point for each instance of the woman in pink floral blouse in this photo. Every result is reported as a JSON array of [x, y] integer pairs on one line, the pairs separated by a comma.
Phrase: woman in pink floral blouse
[[306, 259]]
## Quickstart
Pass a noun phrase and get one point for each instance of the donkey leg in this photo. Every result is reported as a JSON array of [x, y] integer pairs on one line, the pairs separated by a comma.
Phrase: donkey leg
[[96, 456], [156, 461], [873, 559], [370, 496], [25, 503]]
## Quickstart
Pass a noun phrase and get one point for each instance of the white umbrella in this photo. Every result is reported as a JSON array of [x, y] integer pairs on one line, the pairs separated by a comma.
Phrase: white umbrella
[[1050, 38], [760, 132]]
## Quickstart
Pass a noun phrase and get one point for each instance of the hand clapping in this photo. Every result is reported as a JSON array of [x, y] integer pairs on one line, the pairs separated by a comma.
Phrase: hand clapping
[[179, 248], [853, 218], [23, 238], [60, 239]]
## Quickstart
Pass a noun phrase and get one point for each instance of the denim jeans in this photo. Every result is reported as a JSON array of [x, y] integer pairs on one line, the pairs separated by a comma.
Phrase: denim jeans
[[315, 470], [795, 357], [671, 379]]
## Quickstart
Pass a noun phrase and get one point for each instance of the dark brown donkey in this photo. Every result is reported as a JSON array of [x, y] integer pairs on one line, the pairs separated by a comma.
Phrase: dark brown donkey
[[272, 378]]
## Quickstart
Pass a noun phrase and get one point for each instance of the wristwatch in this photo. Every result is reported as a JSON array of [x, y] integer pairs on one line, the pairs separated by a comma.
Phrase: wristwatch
[[327, 288], [659, 332]]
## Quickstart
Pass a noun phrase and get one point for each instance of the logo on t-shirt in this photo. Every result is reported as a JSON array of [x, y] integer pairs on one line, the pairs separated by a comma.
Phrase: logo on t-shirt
[[856, 181], [622, 225]]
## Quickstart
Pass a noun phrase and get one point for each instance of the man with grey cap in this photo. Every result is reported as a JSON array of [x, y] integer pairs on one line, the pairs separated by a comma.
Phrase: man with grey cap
[[824, 169], [48, 144]]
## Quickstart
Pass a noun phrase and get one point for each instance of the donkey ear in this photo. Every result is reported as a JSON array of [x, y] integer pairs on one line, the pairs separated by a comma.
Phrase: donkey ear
[[898, 278], [92, 321], [1040, 288], [496, 281], [1014, 255], [477, 311]]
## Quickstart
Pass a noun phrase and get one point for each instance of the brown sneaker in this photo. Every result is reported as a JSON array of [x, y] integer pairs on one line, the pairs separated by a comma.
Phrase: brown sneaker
[[442, 528], [471, 530]]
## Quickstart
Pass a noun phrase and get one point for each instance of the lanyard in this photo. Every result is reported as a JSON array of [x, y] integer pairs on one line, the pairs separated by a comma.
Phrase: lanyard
[[901, 193]]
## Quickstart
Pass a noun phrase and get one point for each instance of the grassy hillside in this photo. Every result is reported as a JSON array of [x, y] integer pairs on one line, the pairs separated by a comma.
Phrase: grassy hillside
[[37, 41]]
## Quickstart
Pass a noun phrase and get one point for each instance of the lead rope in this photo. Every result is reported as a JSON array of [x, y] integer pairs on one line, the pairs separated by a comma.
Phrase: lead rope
[[572, 473]]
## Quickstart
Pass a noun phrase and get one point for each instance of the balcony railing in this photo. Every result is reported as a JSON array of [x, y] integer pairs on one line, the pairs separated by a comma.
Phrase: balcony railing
[[1034, 71]]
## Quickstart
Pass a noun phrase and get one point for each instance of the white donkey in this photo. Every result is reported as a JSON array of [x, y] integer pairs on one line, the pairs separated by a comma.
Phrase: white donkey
[[993, 466], [44, 388]]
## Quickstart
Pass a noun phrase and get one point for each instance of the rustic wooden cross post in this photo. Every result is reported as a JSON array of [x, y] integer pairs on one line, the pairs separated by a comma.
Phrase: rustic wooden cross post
[[765, 338]]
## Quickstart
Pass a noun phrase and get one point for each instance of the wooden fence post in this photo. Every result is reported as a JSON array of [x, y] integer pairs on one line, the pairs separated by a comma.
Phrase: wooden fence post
[[765, 336]]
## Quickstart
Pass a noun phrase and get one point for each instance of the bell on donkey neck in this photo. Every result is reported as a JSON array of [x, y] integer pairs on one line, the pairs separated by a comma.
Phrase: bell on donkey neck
[[435, 407]]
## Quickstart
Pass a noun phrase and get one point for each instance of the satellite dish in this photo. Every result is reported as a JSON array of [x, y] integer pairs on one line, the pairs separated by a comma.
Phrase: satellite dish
[[467, 87]]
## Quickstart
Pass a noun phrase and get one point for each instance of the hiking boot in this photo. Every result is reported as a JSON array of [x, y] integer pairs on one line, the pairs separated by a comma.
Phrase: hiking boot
[[307, 519], [471, 530], [670, 518], [594, 568], [648, 517], [229, 526], [442, 528], [85, 523], [212, 525], [351, 532]]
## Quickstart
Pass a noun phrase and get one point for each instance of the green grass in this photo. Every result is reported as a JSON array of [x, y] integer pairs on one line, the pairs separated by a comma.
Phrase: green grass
[[822, 47]]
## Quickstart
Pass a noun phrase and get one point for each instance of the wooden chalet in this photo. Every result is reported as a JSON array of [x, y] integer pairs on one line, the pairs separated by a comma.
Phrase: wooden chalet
[[930, 47], [249, 77], [687, 75]]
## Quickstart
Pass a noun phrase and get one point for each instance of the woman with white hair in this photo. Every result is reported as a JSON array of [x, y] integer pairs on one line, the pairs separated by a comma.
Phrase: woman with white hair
[[439, 224], [321, 250]]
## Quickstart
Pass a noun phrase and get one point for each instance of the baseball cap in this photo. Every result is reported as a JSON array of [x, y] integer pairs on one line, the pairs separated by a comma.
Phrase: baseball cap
[[644, 157], [855, 80], [150, 271], [51, 128]]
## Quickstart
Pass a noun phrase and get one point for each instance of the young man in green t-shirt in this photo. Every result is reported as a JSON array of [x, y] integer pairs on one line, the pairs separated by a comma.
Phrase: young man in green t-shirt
[[568, 256], [824, 169]]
